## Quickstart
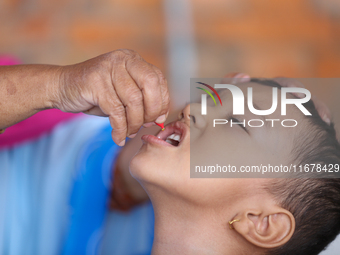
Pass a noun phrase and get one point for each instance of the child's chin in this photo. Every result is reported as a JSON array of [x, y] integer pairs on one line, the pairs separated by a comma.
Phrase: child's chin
[[135, 166], [140, 167]]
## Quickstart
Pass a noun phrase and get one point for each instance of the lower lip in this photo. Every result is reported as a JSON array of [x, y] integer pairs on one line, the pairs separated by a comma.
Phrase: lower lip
[[155, 140]]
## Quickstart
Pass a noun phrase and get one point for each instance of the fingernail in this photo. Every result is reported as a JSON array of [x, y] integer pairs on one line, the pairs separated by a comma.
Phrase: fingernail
[[326, 119], [132, 136], [161, 119], [148, 124], [241, 77], [122, 143]]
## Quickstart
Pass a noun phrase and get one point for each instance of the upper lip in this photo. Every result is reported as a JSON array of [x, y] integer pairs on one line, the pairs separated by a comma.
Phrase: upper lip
[[176, 127]]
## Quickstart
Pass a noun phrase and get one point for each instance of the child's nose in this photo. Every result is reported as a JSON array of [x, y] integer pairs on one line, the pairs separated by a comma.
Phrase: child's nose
[[192, 113], [185, 113]]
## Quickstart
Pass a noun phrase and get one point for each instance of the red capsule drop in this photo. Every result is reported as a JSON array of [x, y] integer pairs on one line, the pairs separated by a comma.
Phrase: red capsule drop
[[161, 125]]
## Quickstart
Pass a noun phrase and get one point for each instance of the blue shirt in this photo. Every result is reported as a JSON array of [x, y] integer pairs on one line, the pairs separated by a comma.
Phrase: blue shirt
[[54, 193]]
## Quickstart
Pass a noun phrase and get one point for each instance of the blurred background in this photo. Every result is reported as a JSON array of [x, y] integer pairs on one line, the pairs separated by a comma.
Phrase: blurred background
[[294, 38], [184, 38]]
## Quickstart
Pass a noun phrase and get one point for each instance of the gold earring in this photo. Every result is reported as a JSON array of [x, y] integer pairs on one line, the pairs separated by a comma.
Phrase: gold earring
[[231, 223]]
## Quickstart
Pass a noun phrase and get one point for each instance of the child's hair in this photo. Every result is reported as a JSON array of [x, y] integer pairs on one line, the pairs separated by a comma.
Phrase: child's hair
[[314, 202]]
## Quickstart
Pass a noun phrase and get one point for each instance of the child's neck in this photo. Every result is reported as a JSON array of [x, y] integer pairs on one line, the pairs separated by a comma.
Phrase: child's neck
[[190, 231]]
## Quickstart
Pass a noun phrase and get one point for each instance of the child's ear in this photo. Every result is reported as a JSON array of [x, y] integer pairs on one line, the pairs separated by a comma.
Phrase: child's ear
[[266, 229]]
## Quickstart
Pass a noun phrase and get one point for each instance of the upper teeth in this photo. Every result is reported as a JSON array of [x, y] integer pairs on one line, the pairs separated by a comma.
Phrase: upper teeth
[[174, 137]]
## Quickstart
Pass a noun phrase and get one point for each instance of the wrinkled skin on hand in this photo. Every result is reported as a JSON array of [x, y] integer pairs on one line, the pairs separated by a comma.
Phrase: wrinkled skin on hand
[[120, 85]]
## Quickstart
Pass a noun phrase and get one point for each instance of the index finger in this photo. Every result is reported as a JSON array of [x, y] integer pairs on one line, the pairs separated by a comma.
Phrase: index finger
[[149, 82], [165, 95]]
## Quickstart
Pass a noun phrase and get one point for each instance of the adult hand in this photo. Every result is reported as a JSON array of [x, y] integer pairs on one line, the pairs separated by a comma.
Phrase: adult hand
[[120, 85]]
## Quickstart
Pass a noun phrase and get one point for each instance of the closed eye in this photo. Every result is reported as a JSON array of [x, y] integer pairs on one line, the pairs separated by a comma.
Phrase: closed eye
[[240, 125]]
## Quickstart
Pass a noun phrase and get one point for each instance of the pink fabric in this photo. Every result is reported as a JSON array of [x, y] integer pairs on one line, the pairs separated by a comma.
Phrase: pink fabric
[[8, 61], [36, 125]]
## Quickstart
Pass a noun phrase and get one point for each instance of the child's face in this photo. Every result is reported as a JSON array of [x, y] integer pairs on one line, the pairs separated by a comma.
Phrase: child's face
[[161, 165]]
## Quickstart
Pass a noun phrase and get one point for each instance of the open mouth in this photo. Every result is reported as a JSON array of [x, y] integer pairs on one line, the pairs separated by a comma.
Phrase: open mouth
[[172, 135], [173, 139]]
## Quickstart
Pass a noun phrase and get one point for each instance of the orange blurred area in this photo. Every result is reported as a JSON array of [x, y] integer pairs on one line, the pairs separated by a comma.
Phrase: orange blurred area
[[293, 38], [65, 32], [296, 38]]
